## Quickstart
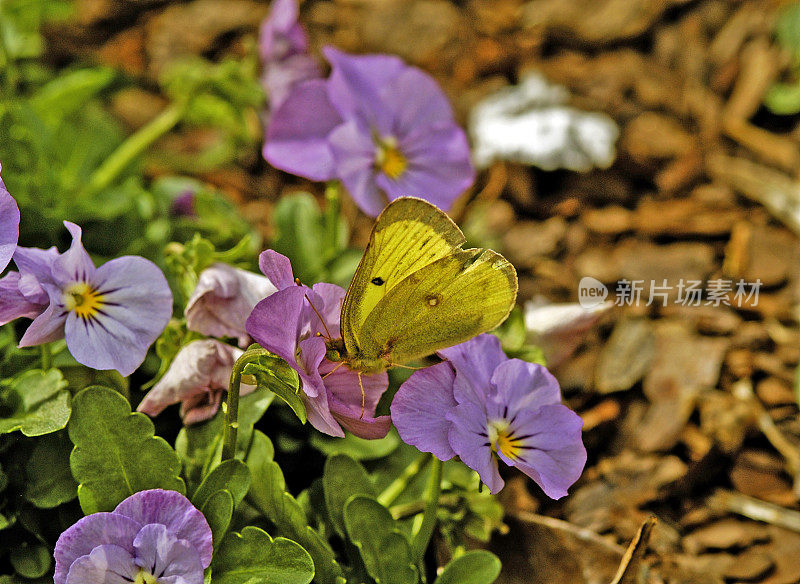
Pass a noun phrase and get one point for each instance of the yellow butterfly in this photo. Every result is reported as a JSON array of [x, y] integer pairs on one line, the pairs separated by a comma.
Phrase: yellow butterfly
[[417, 291]]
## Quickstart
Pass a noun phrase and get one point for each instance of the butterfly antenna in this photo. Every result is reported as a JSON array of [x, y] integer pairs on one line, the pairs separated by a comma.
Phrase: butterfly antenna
[[333, 370], [363, 396], [319, 316], [407, 367]]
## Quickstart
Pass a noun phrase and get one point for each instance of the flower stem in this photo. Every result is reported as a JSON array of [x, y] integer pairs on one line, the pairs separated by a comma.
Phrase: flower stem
[[134, 145], [419, 543], [232, 401], [390, 494], [332, 210], [47, 356]]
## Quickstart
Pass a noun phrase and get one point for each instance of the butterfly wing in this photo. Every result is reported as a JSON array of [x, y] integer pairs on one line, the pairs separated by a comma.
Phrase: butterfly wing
[[416, 291], [409, 234], [442, 304]]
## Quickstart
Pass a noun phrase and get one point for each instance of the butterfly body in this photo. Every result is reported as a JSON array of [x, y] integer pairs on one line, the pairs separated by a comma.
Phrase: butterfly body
[[417, 291]]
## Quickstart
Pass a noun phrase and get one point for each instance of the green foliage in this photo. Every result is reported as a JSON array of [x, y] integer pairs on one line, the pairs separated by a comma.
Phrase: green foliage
[[473, 567], [343, 478], [48, 479], [253, 557], [116, 453], [784, 98], [513, 336], [268, 495], [276, 375], [385, 551], [30, 561], [314, 241], [355, 447], [35, 403]]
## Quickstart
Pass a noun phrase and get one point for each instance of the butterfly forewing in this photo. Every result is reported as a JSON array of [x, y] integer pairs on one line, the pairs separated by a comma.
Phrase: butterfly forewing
[[444, 303], [407, 236]]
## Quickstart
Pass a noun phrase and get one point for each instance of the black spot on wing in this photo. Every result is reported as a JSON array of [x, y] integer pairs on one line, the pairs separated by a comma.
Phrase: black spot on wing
[[378, 281]]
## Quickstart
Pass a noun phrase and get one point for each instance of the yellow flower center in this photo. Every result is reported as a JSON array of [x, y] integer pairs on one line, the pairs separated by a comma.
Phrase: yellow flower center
[[503, 440], [83, 300], [145, 577], [390, 160]]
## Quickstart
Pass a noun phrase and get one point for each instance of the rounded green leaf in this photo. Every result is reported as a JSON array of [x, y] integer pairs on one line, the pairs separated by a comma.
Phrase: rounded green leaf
[[38, 402], [253, 557], [116, 453], [474, 567], [30, 561]]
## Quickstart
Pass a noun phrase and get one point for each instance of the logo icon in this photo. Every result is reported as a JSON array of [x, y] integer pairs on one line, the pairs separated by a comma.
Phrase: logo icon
[[591, 292]]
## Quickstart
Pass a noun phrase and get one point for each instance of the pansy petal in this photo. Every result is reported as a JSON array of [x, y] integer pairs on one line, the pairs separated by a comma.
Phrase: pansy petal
[[48, 326], [312, 352], [277, 268], [105, 564], [9, 226], [330, 309], [356, 85], [92, 531], [13, 304], [35, 261], [223, 299], [135, 307], [318, 412], [474, 362], [281, 33], [367, 427], [346, 387], [553, 454], [161, 552], [176, 512], [469, 438], [297, 135], [522, 386], [417, 101], [281, 77], [354, 154], [420, 407], [276, 321], [74, 265]]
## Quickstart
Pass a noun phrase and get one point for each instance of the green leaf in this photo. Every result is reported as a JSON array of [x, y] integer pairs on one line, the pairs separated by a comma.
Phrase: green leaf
[[274, 374], [116, 452], [30, 561], [255, 558], [37, 402], [385, 551], [300, 234], [69, 92], [343, 477], [787, 29], [783, 99], [268, 495], [218, 511], [474, 567], [232, 476], [355, 447], [49, 481]]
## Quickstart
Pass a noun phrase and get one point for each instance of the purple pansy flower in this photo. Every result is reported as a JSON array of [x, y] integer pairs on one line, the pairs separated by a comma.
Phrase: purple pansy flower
[[482, 406], [382, 127], [284, 52], [152, 536], [9, 226], [109, 315], [288, 324], [223, 299], [183, 205], [197, 378]]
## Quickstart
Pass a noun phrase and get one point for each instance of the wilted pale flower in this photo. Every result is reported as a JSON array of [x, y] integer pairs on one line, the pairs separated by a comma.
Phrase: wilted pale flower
[[197, 379], [109, 315], [9, 226], [286, 324], [482, 406], [222, 301], [151, 537], [382, 127], [284, 52]]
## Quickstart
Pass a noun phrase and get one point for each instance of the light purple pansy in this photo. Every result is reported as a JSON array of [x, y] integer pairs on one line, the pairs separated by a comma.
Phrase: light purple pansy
[[482, 406], [383, 128], [288, 324], [109, 315], [152, 536], [283, 46], [223, 299], [197, 378], [9, 226]]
